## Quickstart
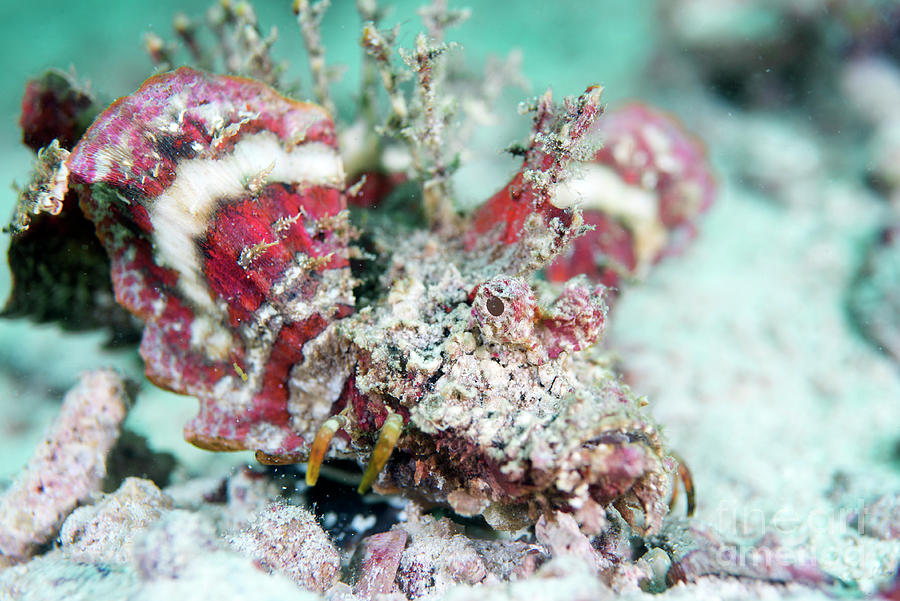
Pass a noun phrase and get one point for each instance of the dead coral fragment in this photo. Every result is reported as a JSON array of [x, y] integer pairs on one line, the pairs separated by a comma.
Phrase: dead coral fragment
[[67, 468], [438, 556], [560, 534], [106, 531], [286, 539], [168, 547], [379, 559]]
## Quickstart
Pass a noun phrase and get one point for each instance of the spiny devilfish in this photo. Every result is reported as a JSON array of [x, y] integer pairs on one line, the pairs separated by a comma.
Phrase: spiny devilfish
[[222, 206]]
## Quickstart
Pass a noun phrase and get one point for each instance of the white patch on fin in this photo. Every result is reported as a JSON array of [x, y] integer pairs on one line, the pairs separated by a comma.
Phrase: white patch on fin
[[599, 188], [180, 215]]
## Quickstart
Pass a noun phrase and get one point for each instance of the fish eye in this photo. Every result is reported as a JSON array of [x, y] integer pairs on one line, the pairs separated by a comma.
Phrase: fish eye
[[494, 306]]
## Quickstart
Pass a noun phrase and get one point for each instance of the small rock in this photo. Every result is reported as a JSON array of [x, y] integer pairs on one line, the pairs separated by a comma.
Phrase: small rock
[[562, 536], [380, 557], [438, 556], [172, 543], [288, 540], [247, 493], [510, 559], [106, 531]]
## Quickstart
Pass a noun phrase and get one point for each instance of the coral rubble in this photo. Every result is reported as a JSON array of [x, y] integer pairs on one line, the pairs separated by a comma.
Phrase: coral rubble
[[438, 556], [105, 531], [379, 560], [67, 468], [287, 539], [697, 550], [171, 543]]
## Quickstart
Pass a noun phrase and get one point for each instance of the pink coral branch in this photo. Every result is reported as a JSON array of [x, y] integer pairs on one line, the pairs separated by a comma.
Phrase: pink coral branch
[[67, 468]]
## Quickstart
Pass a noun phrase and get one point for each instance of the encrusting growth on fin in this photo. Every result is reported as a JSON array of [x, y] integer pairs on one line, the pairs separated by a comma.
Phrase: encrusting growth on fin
[[387, 440], [320, 447]]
